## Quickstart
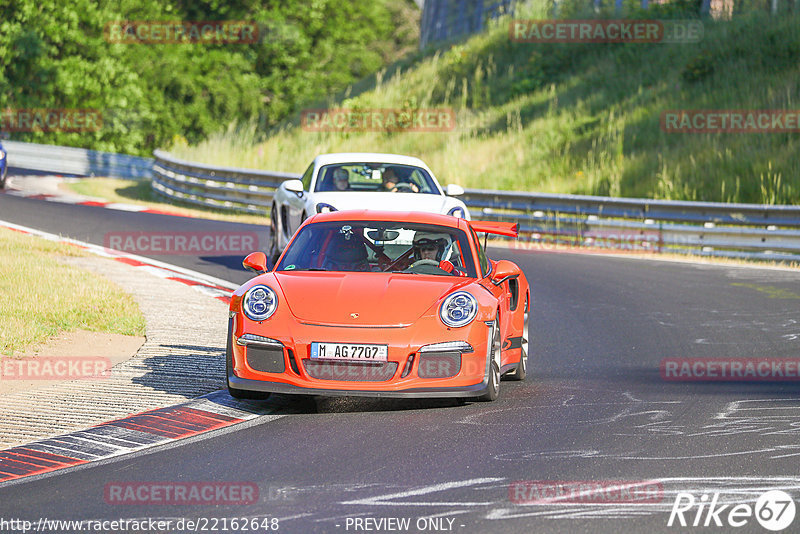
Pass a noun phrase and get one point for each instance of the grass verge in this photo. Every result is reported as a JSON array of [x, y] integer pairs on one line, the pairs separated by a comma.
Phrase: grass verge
[[140, 193], [42, 296], [577, 118]]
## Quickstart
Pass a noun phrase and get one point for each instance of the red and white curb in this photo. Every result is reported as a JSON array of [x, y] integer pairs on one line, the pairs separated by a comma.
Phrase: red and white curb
[[209, 285], [78, 200], [129, 434]]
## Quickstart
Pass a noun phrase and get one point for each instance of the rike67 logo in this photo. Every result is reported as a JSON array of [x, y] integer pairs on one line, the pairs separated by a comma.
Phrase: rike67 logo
[[774, 510]]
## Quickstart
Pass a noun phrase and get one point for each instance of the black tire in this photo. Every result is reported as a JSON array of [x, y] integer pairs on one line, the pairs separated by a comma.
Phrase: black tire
[[522, 367], [494, 365], [274, 253]]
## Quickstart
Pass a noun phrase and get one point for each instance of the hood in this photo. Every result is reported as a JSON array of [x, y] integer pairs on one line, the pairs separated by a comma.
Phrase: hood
[[379, 299], [376, 200]]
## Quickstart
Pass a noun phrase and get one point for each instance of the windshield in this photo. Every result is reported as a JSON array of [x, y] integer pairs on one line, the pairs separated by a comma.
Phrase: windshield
[[378, 246], [375, 177]]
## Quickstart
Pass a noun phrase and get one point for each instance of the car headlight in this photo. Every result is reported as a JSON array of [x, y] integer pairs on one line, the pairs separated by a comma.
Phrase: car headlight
[[259, 303], [322, 207], [458, 211], [458, 309]]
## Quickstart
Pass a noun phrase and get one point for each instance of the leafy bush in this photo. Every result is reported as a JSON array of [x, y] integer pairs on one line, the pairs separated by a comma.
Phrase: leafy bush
[[54, 55]]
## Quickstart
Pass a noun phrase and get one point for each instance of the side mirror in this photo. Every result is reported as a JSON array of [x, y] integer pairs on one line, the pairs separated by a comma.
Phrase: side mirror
[[454, 190], [256, 262], [503, 270], [295, 186]]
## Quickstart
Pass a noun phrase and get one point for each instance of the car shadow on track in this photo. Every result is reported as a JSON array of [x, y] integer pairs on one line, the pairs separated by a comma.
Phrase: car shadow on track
[[279, 404], [195, 370]]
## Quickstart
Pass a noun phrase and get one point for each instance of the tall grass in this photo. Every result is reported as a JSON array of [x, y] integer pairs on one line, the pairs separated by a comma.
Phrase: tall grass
[[573, 118]]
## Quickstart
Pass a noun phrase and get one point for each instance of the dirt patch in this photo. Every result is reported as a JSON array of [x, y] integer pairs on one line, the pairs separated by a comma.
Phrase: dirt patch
[[69, 355]]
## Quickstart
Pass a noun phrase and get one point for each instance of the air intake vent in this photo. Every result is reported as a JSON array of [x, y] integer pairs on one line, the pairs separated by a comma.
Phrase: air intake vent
[[439, 364], [266, 360], [350, 372]]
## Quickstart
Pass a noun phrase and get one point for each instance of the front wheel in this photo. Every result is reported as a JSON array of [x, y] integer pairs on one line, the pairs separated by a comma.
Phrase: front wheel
[[522, 367], [494, 365]]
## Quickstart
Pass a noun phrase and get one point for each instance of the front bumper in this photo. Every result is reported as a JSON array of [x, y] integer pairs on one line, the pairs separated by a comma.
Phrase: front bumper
[[277, 387], [283, 365]]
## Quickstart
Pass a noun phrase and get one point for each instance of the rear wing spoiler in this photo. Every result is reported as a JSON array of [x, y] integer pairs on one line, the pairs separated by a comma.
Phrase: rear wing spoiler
[[495, 227]]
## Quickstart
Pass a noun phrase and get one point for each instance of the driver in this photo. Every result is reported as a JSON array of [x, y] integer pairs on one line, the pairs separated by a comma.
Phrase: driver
[[430, 246], [392, 183], [434, 249]]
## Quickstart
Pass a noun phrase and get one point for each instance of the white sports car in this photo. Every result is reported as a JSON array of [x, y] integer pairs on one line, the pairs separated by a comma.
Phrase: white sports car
[[347, 181]]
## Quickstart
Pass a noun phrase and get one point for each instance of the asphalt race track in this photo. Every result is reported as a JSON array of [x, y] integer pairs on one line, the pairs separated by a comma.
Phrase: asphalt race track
[[595, 408]]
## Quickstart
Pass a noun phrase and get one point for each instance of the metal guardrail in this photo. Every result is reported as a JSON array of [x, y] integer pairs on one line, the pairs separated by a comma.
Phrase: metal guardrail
[[545, 220], [76, 161], [231, 188]]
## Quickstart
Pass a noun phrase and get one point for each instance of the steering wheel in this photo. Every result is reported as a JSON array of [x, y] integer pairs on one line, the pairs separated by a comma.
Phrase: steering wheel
[[426, 267], [423, 262], [404, 186]]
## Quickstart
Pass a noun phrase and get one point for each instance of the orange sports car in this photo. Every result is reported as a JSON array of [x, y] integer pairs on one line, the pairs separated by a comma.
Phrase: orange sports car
[[381, 304]]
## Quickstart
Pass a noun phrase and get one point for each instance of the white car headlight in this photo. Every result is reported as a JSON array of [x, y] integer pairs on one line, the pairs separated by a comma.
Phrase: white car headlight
[[458, 211], [458, 309], [324, 207], [259, 303]]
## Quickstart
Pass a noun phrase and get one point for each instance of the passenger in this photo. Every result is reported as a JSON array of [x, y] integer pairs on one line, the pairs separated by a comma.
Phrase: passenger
[[346, 252]]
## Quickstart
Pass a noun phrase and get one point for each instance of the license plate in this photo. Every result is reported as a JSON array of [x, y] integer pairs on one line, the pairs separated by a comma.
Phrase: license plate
[[353, 352]]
